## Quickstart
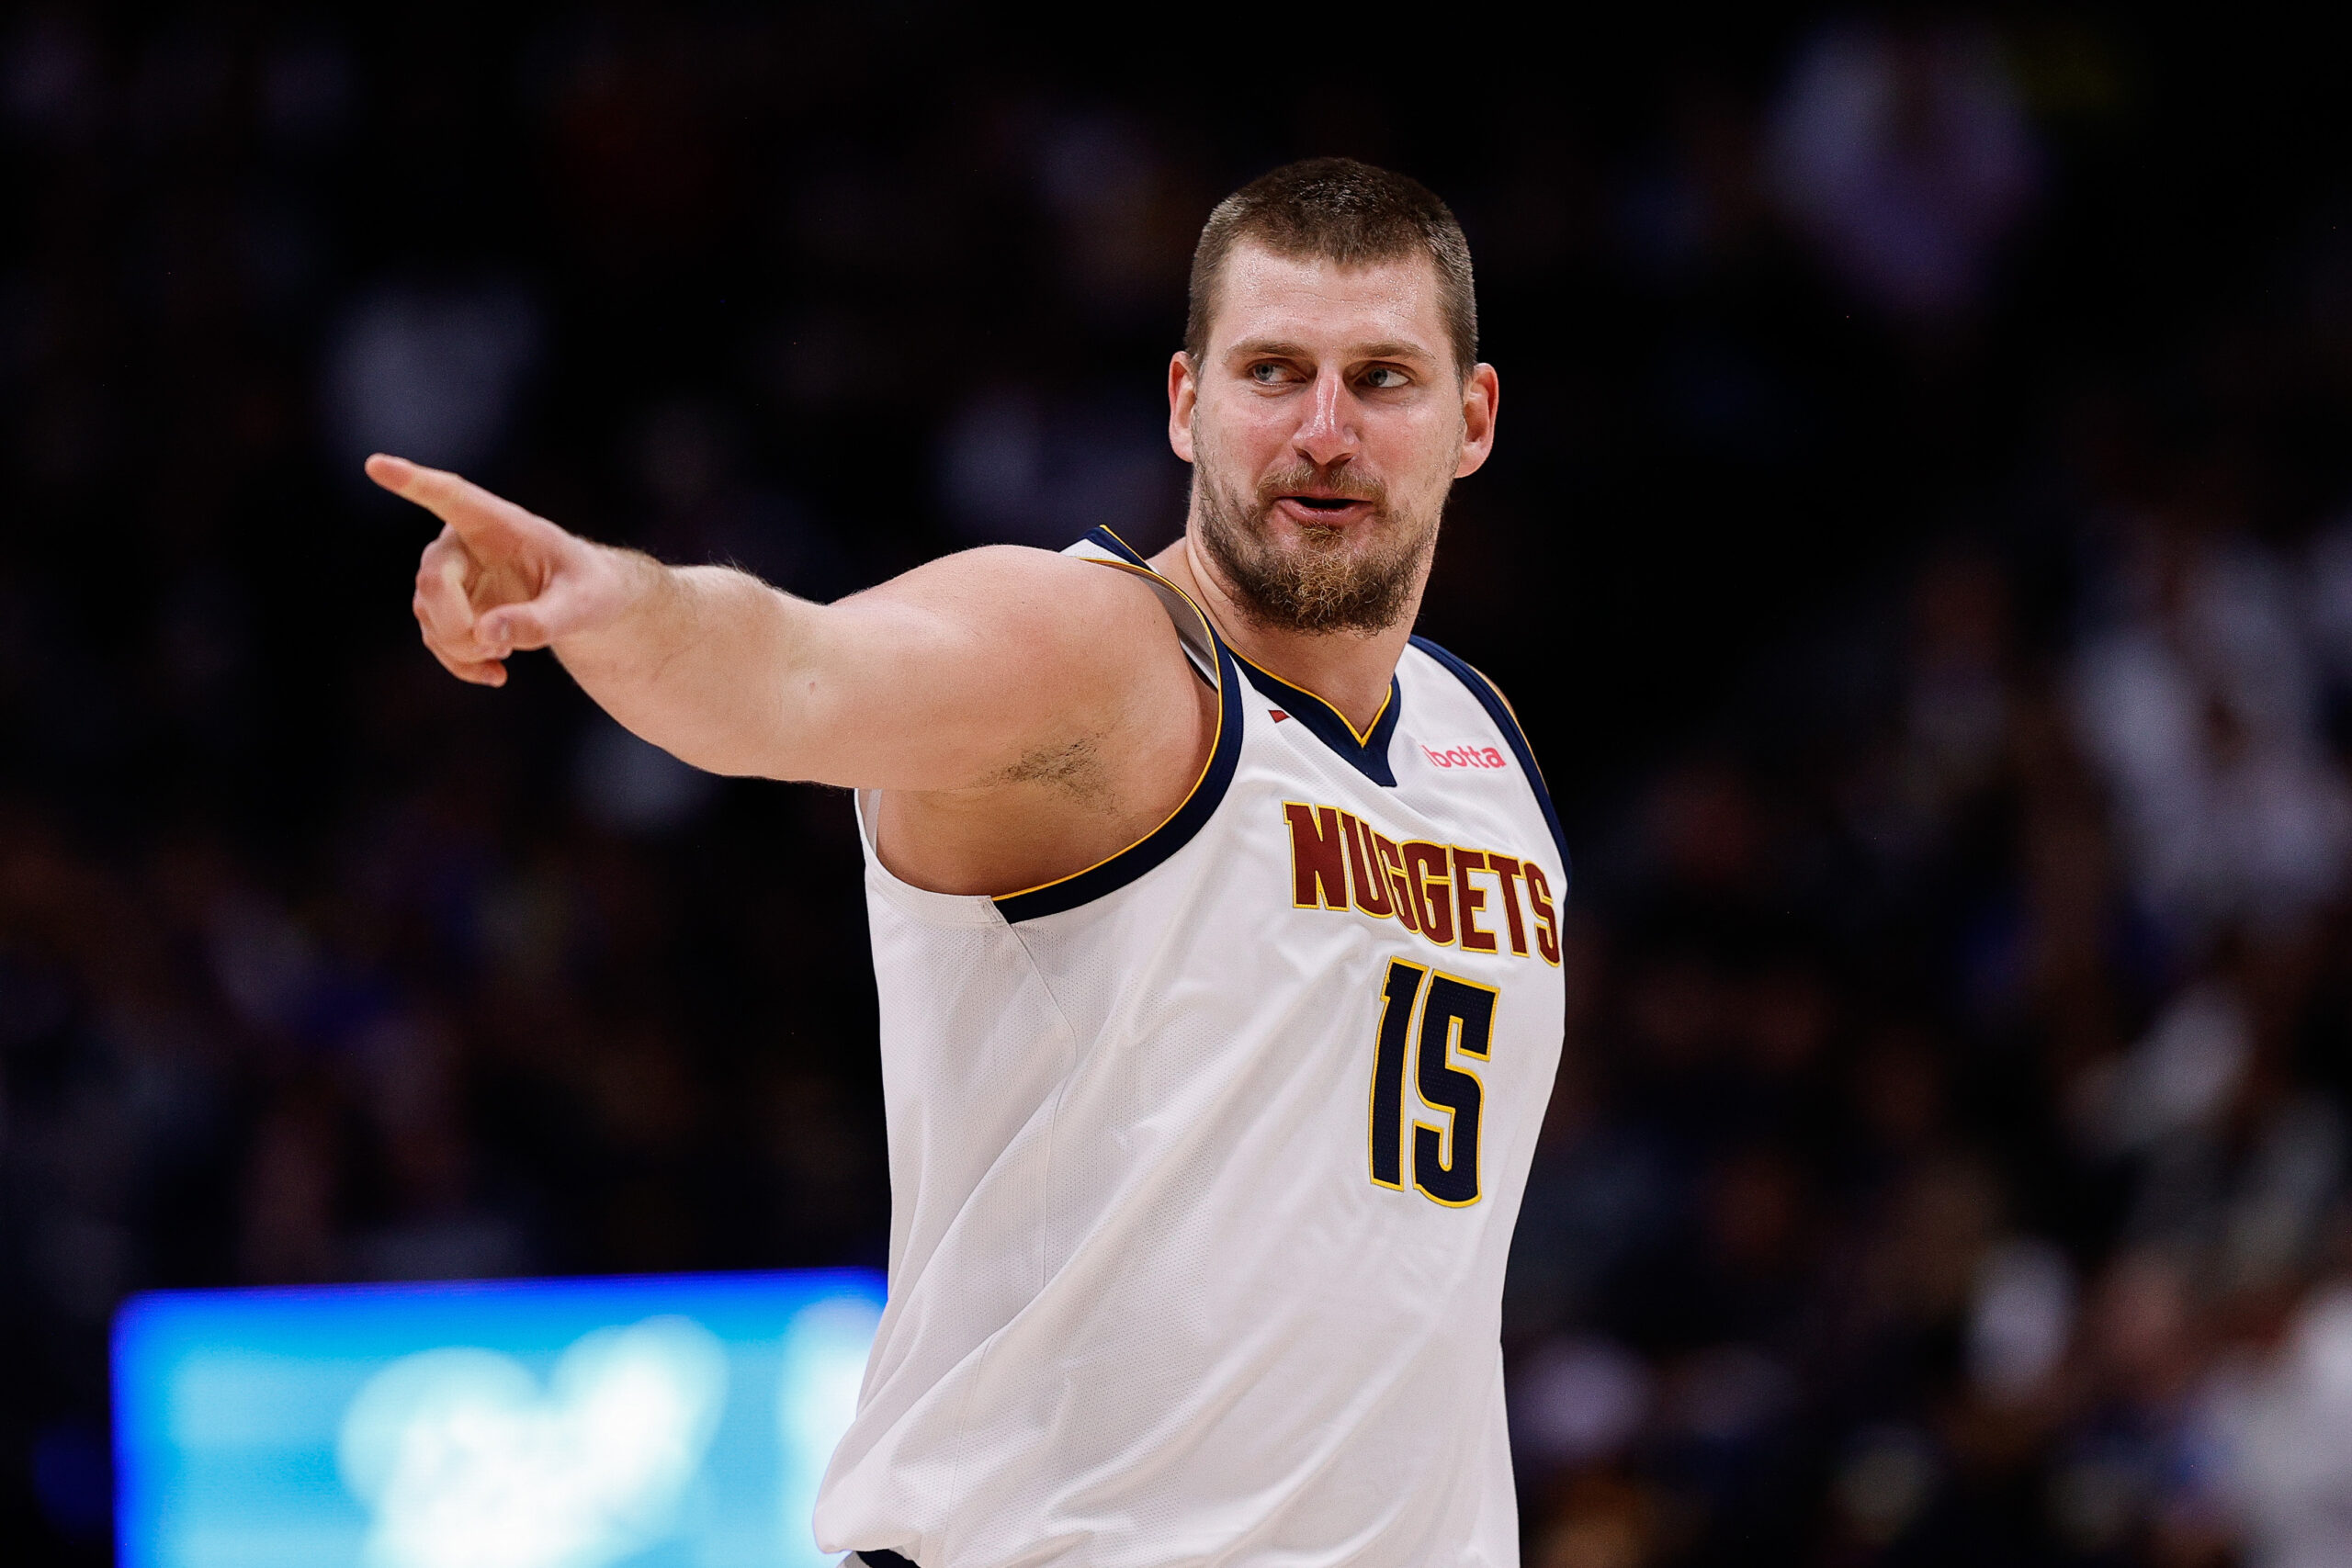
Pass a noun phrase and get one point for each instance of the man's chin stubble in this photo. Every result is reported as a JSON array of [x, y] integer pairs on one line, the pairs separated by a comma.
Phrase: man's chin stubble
[[1315, 588]]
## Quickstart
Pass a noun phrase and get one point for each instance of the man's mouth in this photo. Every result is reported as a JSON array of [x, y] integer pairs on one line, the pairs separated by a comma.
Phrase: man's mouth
[[1323, 511]]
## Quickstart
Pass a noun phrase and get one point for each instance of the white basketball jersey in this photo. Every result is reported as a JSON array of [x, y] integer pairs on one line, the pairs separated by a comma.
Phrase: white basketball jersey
[[1204, 1161]]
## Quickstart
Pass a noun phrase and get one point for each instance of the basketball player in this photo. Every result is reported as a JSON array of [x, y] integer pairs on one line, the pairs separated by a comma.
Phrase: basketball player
[[1216, 924]]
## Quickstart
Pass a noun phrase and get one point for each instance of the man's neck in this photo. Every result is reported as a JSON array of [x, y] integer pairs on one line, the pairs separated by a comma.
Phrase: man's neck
[[1350, 671]]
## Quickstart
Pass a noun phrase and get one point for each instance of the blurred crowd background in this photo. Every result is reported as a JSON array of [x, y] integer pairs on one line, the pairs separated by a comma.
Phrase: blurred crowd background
[[1920, 545]]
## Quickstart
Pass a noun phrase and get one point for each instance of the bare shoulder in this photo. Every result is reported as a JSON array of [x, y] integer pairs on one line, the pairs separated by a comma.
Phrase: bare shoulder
[[1051, 632], [980, 670], [1061, 718], [1012, 590]]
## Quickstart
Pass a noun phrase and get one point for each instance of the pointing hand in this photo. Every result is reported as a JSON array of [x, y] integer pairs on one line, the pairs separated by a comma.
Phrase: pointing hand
[[498, 579]]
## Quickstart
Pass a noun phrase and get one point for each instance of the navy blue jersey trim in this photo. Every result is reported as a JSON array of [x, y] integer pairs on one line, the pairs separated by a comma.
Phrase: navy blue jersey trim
[[1491, 697], [1103, 539], [1368, 754], [1148, 851], [877, 1558]]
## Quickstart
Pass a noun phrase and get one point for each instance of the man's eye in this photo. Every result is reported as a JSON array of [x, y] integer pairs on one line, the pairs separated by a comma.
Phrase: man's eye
[[1265, 374], [1384, 378]]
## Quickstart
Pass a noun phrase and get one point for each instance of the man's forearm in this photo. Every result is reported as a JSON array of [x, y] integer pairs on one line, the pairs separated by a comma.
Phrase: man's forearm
[[696, 661]]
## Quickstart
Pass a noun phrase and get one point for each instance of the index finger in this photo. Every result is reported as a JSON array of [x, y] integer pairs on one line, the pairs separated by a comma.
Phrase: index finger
[[481, 519]]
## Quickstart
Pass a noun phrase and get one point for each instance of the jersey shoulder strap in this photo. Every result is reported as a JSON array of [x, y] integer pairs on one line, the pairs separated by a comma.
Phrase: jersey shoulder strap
[[1192, 627], [1505, 719]]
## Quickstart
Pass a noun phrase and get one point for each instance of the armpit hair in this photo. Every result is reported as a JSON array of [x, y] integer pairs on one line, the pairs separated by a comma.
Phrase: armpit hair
[[1075, 768]]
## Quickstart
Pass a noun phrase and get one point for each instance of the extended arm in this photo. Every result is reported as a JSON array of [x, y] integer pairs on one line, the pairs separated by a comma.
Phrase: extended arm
[[945, 680]]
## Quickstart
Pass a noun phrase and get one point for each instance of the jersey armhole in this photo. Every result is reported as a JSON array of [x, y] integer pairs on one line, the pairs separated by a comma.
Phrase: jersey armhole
[[1213, 663]]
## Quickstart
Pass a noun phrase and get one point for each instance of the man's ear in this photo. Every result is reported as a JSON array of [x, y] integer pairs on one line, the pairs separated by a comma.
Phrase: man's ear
[[1481, 398], [1183, 394]]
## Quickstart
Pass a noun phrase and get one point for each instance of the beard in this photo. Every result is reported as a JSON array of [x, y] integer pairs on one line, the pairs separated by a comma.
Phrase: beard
[[1320, 584]]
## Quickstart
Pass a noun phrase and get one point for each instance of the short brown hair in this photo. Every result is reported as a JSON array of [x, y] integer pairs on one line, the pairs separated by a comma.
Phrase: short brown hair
[[1338, 210]]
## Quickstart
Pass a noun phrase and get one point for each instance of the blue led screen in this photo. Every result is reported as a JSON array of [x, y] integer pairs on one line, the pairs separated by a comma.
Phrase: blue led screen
[[677, 1421]]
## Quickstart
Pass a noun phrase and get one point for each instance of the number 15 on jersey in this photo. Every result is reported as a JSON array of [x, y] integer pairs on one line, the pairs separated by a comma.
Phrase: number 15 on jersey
[[1427, 1018]]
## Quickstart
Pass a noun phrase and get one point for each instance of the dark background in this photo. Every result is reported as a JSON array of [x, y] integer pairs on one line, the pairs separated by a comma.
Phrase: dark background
[[1917, 545]]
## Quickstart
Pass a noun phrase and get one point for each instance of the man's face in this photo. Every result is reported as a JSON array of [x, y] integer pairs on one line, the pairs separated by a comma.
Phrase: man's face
[[1326, 424]]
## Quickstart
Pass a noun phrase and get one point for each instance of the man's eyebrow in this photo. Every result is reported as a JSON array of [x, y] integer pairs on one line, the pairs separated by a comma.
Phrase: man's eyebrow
[[1276, 348], [1269, 348]]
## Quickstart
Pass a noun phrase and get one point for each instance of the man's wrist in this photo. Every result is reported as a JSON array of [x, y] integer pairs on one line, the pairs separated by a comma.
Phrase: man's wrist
[[624, 593]]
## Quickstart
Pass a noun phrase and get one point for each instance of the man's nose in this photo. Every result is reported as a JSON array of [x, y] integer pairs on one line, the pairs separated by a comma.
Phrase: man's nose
[[1328, 434]]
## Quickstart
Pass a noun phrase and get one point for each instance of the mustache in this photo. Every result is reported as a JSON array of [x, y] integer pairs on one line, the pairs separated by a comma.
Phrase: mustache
[[1342, 481]]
